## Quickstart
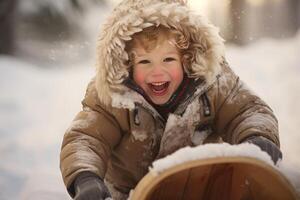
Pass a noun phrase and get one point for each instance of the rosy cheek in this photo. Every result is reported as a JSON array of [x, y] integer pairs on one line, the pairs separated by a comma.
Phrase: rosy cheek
[[139, 77], [177, 75]]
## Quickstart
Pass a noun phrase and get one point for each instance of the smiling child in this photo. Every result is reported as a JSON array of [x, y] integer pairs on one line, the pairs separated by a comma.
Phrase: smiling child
[[162, 83]]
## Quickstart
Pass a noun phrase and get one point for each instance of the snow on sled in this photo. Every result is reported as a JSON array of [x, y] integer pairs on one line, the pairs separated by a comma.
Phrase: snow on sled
[[215, 172]]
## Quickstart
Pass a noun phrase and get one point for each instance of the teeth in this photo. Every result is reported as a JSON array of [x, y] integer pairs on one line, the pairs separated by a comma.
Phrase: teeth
[[158, 83]]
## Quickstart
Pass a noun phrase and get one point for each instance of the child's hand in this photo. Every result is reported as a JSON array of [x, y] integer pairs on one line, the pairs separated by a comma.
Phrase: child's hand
[[267, 146], [90, 187]]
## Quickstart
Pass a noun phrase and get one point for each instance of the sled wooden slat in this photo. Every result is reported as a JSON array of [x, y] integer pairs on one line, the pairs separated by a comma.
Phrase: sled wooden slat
[[227, 178]]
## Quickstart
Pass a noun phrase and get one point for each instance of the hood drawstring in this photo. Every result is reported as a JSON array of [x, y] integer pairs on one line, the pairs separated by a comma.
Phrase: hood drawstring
[[206, 105], [136, 118]]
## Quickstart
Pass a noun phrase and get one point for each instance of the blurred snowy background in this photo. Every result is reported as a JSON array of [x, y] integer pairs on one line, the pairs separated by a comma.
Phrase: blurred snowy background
[[47, 51]]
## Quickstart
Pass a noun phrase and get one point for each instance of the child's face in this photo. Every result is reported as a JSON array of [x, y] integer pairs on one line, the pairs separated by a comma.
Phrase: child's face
[[159, 71]]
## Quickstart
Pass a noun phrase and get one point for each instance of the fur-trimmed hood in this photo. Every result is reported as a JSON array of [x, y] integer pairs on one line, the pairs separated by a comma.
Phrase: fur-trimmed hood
[[132, 16]]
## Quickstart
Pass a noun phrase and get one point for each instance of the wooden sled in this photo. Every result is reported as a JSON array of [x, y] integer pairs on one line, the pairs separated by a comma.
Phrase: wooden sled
[[222, 178]]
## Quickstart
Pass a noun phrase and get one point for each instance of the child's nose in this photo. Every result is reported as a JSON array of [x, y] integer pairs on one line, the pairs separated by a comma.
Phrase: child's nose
[[157, 70]]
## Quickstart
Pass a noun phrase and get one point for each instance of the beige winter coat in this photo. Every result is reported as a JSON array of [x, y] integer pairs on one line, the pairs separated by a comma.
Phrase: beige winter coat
[[118, 134]]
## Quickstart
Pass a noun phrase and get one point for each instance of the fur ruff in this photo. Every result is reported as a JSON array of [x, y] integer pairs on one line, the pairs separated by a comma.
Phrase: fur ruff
[[132, 16]]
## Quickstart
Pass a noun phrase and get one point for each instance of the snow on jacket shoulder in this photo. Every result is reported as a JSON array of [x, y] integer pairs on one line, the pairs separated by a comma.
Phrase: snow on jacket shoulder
[[118, 134]]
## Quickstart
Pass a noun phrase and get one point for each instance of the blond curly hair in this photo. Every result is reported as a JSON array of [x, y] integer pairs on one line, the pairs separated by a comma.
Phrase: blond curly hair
[[150, 37]]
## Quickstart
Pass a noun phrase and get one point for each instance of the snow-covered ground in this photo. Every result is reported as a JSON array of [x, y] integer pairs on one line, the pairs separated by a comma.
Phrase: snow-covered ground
[[37, 105]]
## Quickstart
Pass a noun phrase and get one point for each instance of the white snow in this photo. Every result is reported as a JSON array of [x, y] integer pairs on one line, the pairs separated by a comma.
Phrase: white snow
[[292, 172], [188, 119], [199, 136], [140, 135], [37, 105], [209, 151], [125, 100], [90, 118]]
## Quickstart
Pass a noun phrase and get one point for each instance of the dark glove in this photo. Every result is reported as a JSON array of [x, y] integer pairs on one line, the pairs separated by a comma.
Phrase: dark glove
[[89, 186], [266, 145]]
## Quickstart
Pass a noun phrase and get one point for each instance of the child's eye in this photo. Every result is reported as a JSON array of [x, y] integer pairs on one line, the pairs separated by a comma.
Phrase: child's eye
[[169, 59], [144, 62]]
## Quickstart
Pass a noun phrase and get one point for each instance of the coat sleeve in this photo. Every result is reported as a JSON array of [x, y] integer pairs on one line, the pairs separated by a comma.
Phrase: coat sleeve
[[88, 142], [240, 113]]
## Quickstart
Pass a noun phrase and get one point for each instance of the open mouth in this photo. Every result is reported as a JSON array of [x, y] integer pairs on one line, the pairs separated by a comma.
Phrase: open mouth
[[159, 88]]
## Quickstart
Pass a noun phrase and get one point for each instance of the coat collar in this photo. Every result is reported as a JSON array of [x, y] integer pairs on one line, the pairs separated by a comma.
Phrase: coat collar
[[186, 88], [133, 100]]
